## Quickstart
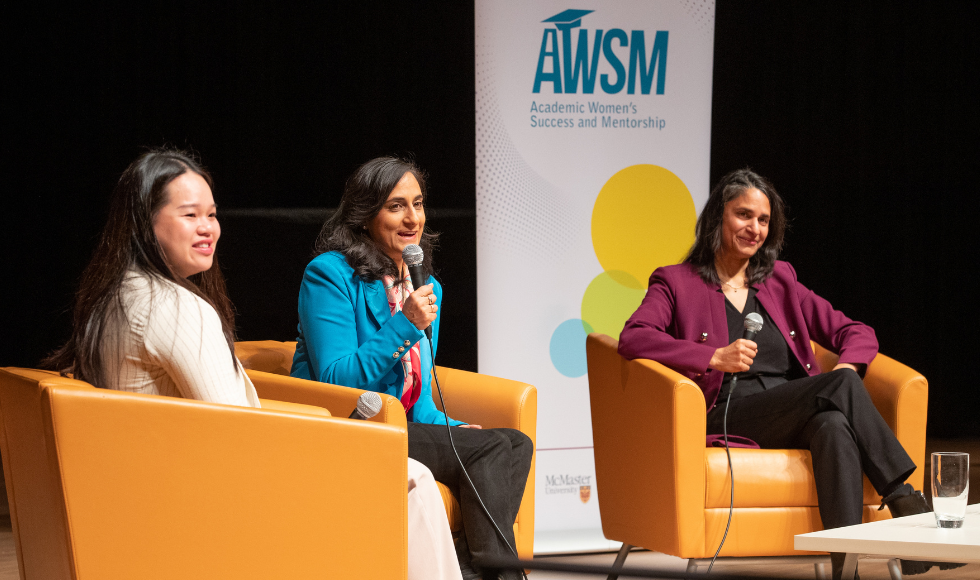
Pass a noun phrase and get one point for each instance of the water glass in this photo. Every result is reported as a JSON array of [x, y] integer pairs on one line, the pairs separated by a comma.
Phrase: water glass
[[950, 486]]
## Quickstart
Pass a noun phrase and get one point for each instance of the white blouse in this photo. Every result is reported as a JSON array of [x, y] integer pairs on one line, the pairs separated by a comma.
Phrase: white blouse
[[168, 341]]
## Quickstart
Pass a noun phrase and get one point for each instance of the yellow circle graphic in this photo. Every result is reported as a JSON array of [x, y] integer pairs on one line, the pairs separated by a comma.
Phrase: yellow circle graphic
[[643, 218], [611, 298]]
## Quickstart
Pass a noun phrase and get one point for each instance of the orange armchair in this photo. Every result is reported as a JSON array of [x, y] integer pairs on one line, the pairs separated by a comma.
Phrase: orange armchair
[[113, 485], [663, 490], [471, 397]]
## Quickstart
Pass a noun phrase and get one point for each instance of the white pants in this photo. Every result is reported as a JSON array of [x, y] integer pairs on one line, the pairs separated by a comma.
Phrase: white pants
[[431, 555]]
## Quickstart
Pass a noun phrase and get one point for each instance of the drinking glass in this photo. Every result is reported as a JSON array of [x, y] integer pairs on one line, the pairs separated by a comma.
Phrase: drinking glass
[[950, 486]]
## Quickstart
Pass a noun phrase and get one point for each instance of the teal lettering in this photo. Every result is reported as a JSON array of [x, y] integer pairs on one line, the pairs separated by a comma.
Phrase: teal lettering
[[658, 62], [613, 61], [581, 62], [554, 76]]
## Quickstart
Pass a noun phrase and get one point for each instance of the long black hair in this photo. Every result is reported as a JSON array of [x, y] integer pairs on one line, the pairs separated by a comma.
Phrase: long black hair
[[128, 242], [365, 194], [707, 236]]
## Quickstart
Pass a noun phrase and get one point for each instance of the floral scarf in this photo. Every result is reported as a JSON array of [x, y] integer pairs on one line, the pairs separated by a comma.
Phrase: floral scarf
[[412, 359]]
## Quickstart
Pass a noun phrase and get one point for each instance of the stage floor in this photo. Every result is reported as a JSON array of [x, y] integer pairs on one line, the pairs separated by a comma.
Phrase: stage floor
[[869, 569]]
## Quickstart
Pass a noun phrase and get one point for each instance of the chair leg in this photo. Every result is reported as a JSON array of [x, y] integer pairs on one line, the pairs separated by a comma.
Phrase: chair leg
[[620, 559], [895, 569], [692, 566], [820, 570]]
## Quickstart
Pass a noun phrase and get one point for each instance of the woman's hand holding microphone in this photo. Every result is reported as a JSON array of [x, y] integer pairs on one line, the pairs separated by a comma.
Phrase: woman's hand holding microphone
[[420, 307], [736, 357]]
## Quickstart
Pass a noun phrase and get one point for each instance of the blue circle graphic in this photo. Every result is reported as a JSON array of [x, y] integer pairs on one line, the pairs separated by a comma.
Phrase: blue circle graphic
[[568, 347]]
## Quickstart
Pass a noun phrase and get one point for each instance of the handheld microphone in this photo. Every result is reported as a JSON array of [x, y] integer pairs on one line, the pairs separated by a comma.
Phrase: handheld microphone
[[752, 325], [368, 405], [413, 255]]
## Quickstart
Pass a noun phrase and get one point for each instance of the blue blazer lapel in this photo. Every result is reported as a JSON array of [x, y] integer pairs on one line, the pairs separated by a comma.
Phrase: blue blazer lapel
[[377, 302]]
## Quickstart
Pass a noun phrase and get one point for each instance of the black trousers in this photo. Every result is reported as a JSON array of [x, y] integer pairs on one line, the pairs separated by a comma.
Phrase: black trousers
[[832, 415], [498, 461]]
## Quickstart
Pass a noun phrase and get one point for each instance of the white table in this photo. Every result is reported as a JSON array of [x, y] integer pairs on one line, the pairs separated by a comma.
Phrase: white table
[[912, 538]]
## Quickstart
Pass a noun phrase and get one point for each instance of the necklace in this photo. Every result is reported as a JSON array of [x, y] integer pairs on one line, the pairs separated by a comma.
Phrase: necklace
[[735, 288]]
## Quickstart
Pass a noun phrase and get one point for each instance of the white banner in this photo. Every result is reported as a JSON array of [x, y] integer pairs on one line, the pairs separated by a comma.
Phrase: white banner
[[593, 141]]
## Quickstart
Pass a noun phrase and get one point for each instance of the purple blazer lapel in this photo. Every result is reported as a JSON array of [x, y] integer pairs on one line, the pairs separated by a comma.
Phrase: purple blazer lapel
[[777, 307], [704, 311], [712, 301], [718, 316]]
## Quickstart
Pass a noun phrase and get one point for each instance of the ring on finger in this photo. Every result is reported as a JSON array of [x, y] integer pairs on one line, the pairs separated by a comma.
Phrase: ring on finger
[[430, 298], [432, 307]]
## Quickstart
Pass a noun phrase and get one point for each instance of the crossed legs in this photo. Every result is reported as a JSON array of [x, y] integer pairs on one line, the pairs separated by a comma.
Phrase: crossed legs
[[832, 415]]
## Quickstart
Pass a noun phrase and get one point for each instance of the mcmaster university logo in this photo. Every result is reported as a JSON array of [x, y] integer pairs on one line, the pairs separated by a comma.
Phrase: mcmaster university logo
[[566, 65], [569, 484]]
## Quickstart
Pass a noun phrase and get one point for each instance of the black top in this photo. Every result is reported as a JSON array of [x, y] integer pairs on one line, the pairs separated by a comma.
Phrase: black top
[[774, 364]]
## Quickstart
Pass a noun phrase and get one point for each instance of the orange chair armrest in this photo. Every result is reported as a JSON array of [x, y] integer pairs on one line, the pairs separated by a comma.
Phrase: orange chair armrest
[[340, 401], [901, 395], [488, 401], [648, 426], [270, 405]]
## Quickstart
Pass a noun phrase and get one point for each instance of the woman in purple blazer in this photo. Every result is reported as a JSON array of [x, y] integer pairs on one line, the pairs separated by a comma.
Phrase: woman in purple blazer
[[691, 320]]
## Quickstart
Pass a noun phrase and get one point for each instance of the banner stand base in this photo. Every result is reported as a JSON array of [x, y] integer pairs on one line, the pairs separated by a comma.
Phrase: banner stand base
[[583, 541]]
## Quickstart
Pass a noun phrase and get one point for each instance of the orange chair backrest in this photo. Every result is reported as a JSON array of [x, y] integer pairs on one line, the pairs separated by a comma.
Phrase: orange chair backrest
[[268, 356]]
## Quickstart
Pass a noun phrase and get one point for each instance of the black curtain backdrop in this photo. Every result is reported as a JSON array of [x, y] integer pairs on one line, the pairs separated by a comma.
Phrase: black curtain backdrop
[[863, 115]]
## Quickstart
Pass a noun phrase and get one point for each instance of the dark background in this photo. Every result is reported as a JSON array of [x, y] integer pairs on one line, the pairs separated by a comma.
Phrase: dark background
[[863, 115]]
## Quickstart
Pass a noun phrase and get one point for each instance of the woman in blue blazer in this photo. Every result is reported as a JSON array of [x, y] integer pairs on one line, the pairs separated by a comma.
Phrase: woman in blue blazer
[[349, 337], [361, 325]]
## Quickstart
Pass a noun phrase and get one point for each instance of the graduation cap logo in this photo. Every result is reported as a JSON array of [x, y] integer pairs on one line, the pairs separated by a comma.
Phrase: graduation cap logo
[[568, 19], [566, 63]]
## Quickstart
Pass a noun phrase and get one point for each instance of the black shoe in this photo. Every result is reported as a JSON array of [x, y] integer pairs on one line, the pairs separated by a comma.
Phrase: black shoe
[[913, 567], [950, 565], [906, 501]]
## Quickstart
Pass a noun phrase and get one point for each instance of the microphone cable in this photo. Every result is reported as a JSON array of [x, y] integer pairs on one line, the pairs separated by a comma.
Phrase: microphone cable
[[445, 414], [752, 324], [731, 474]]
